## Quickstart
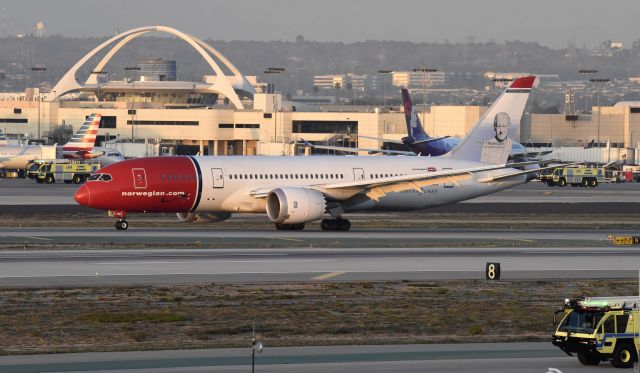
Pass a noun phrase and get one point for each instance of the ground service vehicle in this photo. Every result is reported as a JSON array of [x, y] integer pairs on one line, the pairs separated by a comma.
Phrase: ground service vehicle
[[575, 176], [69, 172], [600, 329]]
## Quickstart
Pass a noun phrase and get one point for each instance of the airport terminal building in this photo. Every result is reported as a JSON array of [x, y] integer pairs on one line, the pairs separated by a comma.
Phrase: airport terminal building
[[227, 113]]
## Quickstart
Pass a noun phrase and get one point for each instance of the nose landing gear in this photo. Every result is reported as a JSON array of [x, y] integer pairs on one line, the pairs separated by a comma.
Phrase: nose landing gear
[[335, 225], [122, 225]]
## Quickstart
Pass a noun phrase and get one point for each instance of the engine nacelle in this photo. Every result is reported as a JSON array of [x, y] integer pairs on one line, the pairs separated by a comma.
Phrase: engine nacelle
[[295, 205], [203, 217]]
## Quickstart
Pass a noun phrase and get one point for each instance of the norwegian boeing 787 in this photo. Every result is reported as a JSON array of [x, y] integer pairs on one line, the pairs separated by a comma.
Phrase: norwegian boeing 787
[[293, 191]]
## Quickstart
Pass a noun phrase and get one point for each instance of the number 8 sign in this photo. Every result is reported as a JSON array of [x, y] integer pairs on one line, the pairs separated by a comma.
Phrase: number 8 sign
[[492, 271]]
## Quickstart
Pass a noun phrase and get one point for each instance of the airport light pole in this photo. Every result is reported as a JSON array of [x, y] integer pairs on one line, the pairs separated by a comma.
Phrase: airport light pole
[[424, 71], [255, 346], [586, 73], [602, 81], [384, 73], [131, 69], [38, 69], [275, 71]]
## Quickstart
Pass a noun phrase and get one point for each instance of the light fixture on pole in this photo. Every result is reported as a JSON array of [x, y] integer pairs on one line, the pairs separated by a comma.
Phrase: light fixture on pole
[[586, 73], [39, 69], [133, 108], [256, 346], [424, 71], [385, 73], [601, 82]]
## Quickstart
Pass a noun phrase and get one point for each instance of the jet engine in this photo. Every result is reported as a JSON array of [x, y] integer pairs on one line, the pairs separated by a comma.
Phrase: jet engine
[[295, 205], [203, 217]]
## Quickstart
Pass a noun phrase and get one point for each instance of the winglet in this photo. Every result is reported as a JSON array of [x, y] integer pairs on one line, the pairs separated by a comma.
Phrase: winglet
[[523, 83]]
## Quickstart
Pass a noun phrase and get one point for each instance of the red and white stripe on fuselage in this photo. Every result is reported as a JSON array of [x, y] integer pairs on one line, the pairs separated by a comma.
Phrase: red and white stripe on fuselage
[[82, 143]]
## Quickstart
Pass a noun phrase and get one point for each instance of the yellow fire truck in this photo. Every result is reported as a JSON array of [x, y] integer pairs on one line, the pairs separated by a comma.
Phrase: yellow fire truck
[[69, 172], [600, 329], [575, 176]]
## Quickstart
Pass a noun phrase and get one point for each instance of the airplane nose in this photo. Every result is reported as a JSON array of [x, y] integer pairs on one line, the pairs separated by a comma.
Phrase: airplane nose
[[83, 195]]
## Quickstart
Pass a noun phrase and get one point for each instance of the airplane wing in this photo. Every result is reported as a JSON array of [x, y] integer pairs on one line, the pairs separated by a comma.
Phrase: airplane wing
[[381, 139], [502, 177], [430, 139], [356, 150], [377, 188]]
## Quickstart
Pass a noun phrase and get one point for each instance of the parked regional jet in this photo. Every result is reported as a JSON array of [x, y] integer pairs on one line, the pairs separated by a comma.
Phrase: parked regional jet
[[420, 142], [81, 146], [298, 190]]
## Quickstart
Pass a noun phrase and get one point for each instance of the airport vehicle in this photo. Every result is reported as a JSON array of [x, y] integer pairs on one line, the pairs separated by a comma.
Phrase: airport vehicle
[[420, 143], [16, 157], [575, 176], [3, 138], [294, 191], [600, 329], [49, 172]]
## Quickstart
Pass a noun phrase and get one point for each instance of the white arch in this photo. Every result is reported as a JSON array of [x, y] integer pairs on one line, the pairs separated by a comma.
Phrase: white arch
[[223, 83]]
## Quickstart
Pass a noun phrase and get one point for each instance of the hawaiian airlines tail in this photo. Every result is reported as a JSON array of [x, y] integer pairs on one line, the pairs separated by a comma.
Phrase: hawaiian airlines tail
[[3, 138], [491, 139], [82, 143], [414, 127]]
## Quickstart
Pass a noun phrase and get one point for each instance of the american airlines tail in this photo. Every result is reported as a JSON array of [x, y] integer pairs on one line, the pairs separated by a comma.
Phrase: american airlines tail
[[82, 143], [3, 138], [491, 138], [414, 127]]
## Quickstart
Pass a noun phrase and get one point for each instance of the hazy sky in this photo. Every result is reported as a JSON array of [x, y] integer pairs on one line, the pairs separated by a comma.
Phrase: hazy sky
[[550, 22]]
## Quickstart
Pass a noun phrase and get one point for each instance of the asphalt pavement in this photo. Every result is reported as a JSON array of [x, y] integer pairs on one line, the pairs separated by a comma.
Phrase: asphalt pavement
[[481, 357], [178, 266]]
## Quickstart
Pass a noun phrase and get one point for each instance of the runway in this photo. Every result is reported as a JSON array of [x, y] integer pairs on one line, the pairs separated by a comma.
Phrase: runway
[[179, 266], [486, 357]]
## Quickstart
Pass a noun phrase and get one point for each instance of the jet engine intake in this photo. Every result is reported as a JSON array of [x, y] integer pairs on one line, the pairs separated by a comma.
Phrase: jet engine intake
[[295, 205]]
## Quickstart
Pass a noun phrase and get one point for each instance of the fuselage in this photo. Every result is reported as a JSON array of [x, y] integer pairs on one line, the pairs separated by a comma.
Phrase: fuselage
[[230, 184]]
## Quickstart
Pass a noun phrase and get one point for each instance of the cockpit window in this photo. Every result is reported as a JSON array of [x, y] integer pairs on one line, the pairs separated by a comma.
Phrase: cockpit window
[[100, 177]]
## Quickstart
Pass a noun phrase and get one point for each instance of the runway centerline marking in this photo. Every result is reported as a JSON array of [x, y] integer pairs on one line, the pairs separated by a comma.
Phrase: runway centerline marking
[[327, 276], [39, 238]]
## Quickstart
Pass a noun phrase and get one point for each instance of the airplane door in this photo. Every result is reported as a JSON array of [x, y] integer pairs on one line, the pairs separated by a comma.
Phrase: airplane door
[[358, 174], [448, 183], [139, 178], [218, 180]]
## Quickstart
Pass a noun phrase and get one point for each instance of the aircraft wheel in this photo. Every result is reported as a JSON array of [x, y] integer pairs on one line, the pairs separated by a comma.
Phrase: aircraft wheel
[[297, 227], [344, 225], [122, 225], [329, 225], [283, 227]]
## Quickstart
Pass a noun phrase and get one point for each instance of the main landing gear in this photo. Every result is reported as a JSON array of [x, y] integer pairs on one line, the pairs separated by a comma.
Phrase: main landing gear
[[335, 224], [122, 225]]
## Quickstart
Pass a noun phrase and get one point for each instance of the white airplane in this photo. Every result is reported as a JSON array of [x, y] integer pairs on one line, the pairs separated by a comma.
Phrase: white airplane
[[3, 138], [16, 157], [293, 191]]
